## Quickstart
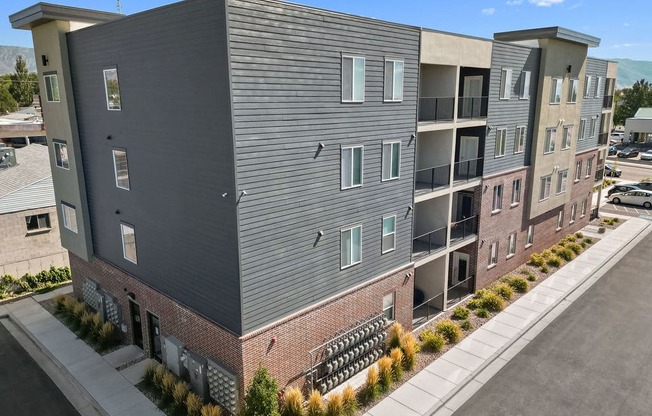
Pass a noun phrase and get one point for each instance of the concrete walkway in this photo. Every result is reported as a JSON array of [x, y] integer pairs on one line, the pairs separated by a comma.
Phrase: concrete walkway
[[94, 386], [443, 386]]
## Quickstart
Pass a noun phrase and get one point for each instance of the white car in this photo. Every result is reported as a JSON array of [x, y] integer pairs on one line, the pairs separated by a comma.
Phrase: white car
[[634, 197], [616, 138], [647, 155]]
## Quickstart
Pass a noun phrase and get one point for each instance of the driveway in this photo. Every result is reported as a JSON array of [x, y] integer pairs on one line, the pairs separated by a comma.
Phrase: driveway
[[594, 359]]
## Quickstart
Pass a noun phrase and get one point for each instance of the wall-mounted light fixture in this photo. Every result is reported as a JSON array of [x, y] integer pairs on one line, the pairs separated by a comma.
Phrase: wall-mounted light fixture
[[44, 60], [117, 211], [410, 208], [243, 193], [320, 233], [413, 136], [321, 145], [569, 68], [109, 137]]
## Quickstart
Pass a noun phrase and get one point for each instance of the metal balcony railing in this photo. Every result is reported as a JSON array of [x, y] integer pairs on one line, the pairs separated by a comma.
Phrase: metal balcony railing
[[460, 290], [427, 310], [436, 108], [468, 169], [429, 179], [603, 138], [599, 174], [429, 243], [472, 107], [607, 101], [463, 229]]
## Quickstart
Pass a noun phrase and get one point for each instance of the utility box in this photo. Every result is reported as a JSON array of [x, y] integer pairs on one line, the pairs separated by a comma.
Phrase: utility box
[[198, 372], [172, 352], [7, 157]]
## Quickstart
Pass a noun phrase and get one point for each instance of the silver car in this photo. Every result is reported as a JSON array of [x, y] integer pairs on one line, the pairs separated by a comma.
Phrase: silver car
[[647, 155], [635, 197]]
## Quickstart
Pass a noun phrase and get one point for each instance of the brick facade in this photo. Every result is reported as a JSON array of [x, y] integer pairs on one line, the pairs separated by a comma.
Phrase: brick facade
[[29, 252], [295, 335]]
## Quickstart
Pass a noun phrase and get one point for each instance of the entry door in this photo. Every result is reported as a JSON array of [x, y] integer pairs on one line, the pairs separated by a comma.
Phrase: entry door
[[154, 335], [464, 207], [471, 94], [460, 267], [136, 324], [468, 152]]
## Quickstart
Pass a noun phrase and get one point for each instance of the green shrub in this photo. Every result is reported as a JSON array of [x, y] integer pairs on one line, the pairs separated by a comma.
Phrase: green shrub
[[349, 402], [449, 330], [547, 254], [410, 348], [474, 304], [554, 261], [532, 277], [334, 405], [315, 406], [571, 237], [583, 244], [503, 290], [588, 240], [148, 377], [537, 260], [575, 247], [179, 395], [59, 302], [167, 387], [211, 410], [479, 294], [579, 234], [385, 373], [193, 404], [461, 313], [432, 341], [482, 313], [371, 388], [292, 402], [395, 333], [615, 219], [567, 254], [86, 324], [519, 284], [260, 398], [544, 269], [105, 336], [397, 363], [466, 325], [558, 247], [157, 378], [493, 302]]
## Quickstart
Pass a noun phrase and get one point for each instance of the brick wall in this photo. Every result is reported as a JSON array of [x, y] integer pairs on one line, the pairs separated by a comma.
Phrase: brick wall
[[287, 358], [29, 252]]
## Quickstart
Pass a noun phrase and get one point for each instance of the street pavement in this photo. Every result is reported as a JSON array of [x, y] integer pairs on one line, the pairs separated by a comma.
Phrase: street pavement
[[594, 359]]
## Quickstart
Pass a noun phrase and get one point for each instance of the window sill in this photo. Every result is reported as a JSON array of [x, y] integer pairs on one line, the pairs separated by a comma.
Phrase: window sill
[[524, 98], [565, 148], [515, 204], [544, 199], [386, 251], [571, 222], [582, 216], [555, 103], [352, 102], [498, 156], [510, 256], [39, 231], [349, 266], [390, 179], [549, 153], [518, 152], [557, 229], [528, 246], [491, 266], [392, 101], [350, 187], [496, 211], [576, 180]]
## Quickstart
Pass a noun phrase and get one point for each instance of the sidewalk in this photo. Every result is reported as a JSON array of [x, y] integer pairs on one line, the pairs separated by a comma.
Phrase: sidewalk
[[96, 387], [443, 386]]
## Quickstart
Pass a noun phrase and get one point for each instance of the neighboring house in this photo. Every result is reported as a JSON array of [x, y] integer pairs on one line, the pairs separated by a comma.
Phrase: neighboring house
[[29, 241], [22, 127], [309, 173], [638, 129]]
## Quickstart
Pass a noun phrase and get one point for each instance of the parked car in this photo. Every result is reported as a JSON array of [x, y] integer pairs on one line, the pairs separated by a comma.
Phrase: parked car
[[635, 197], [611, 170], [646, 186], [612, 150], [628, 152], [616, 137], [647, 155], [622, 188]]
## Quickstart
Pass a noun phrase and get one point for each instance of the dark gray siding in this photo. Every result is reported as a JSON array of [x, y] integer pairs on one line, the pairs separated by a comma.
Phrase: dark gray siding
[[592, 106], [507, 114], [176, 126], [287, 99]]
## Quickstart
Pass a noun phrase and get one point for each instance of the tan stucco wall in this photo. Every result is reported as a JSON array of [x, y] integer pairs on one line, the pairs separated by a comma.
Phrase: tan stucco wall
[[612, 70], [448, 49]]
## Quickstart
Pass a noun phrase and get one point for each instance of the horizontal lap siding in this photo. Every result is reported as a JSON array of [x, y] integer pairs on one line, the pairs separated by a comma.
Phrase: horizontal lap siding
[[175, 124], [592, 106], [513, 112], [286, 78]]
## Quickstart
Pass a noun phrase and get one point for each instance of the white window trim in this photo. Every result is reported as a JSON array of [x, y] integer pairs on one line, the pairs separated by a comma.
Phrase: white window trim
[[383, 235], [342, 230], [516, 193], [548, 140], [56, 146], [361, 166], [505, 84], [503, 142], [46, 92], [529, 240], [124, 246], [588, 84], [106, 90], [543, 187], [567, 137], [393, 307], [520, 137], [599, 86], [391, 178], [560, 220], [524, 94], [115, 170], [497, 203], [556, 82], [589, 167], [582, 129], [573, 82], [560, 182], [583, 209], [578, 171], [573, 213], [68, 226], [511, 245], [394, 99], [493, 259], [364, 78]]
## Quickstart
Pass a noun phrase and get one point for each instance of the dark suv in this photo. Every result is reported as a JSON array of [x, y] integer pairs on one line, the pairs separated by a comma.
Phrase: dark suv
[[623, 188], [647, 186], [628, 152]]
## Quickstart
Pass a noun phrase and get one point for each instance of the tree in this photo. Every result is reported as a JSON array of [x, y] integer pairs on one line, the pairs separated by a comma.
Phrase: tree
[[631, 99], [23, 85], [262, 395], [7, 102]]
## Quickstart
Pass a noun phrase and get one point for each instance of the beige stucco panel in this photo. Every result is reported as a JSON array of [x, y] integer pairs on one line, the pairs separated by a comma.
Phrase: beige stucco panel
[[612, 70], [448, 49]]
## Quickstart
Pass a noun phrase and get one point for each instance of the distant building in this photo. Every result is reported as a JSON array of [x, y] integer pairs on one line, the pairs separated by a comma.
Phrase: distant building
[[29, 241], [638, 129]]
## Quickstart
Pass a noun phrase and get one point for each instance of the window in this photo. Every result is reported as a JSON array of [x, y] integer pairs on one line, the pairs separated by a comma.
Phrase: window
[[544, 192], [388, 306], [38, 222], [572, 93], [573, 212], [120, 168], [519, 139], [594, 127], [560, 219], [511, 245], [551, 137], [578, 170], [389, 234], [391, 160], [567, 138], [493, 254], [61, 154], [588, 80], [582, 132], [599, 87], [555, 94], [393, 80], [501, 140], [525, 85], [516, 191], [112, 89], [51, 88], [589, 166], [505, 84], [351, 246], [69, 216], [583, 209], [497, 204], [562, 179], [128, 242], [351, 167], [352, 79], [530, 236]]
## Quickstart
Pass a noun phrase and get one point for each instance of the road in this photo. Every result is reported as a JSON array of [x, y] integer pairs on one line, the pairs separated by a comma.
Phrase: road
[[594, 359], [633, 171]]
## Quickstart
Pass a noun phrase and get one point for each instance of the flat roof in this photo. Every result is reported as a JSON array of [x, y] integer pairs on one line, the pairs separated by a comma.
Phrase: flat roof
[[553, 32], [42, 13]]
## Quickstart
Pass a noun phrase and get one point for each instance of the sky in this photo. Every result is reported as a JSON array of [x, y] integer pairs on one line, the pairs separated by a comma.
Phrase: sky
[[623, 26]]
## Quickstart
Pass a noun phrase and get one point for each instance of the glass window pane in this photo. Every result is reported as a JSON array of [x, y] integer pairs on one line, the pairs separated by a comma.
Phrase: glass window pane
[[356, 244], [347, 79], [396, 159], [55, 88], [358, 79], [398, 80], [357, 166], [387, 161], [345, 251], [389, 80], [346, 167], [121, 169], [128, 243], [389, 225], [112, 89]]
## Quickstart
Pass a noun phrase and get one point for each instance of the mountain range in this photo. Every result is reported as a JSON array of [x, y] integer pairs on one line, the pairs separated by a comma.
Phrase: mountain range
[[629, 71]]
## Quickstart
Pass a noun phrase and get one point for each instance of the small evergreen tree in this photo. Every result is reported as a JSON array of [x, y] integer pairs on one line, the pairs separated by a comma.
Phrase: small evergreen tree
[[261, 397]]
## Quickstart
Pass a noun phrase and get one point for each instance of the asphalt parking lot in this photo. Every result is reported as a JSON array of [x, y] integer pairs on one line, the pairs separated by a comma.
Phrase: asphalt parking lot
[[26, 389]]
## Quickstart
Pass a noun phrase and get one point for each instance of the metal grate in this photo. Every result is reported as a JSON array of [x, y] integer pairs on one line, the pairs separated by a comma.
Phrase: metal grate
[[91, 294], [222, 386]]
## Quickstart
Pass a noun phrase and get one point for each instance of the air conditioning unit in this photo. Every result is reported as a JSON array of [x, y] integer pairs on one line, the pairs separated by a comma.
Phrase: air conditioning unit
[[7, 157], [198, 372], [172, 353]]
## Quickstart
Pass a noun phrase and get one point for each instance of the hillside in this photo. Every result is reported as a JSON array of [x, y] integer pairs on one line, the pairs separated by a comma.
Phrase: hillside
[[631, 71], [8, 56]]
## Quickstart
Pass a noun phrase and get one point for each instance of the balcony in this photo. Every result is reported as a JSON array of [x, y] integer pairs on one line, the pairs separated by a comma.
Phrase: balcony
[[603, 139], [464, 229], [429, 243], [436, 108], [599, 175], [607, 101], [428, 179], [424, 311], [468, 169], [460, 290], [472, 107]]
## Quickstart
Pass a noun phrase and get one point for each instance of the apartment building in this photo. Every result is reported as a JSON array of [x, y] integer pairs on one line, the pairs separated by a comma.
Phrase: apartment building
[[253, 182]]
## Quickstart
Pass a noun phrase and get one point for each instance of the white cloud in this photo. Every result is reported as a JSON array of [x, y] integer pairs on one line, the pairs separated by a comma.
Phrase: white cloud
[[514, 2], [545, 3], [489, 11]]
